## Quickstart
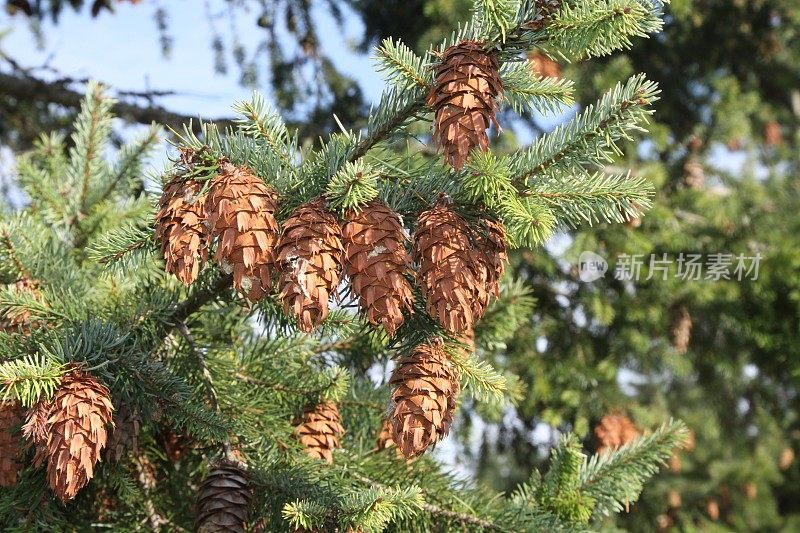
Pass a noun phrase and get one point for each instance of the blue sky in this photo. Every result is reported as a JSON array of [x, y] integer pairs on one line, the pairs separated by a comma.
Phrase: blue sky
[[123, 51]]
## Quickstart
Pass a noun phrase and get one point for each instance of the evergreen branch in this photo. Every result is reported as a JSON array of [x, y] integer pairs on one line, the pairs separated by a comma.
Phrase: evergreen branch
[[114, 246], [435, 510], [600, 196], [495, 17], [401, 65], [355, 185], [262, 122], [523, 89], [480, 378], [30, 378], [591, 137], [592, 29], [200, 298], [613, 479]]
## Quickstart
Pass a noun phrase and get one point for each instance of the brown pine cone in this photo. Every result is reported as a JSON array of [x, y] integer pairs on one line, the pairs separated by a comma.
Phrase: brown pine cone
[[35, 429], [181, 228], [20, 321], [542, 65], [310, 256], [385, 436], [319, 430], [425, 387], [464, 99], [375, 261], [615, 430], [241, 213], [10, 443], [492, 256], [76, 432], [681, 329], [223, 500], [125, 434], [452, 279]]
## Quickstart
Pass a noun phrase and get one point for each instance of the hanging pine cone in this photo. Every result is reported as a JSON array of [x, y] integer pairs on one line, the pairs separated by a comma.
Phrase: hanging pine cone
[[464, 99], [310, 256], [424, 394], [35, 429], [223, 500], [492, 256], [452, 280], [19, 321], [542, 65], [786, 459], [681, 329], [613, 431], [545, 9], [385, 436], [241, 211], [182, 229], [76, 432], [319, 430], [375, 261], [10, 443], [125, 434]]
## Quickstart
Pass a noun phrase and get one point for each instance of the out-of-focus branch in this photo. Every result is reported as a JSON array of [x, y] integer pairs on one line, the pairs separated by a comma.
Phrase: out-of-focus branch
[[26, 88]]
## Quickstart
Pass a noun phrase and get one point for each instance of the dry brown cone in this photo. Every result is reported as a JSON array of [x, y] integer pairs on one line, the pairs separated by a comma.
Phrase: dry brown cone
[[241, 213], [786, 459], [681, 329], [181, 228], [35, 429], [674, 499], [772, 133], [675, 464], [543, 65], [492, 256], [452, 279], [319, 430], [425, 387], [613, 431], [175, 445], [694, 175], [750, 490], [385, 436], [376, 261], [712, 509], [463, 97], [125, 435], [11, 444], [76, 432], [310, 254], [223, 500], [545, 10], [20, 321]]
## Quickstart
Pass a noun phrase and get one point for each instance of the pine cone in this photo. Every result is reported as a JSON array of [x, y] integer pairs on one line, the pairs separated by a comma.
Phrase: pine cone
[[76, 432], [452, 280], [786, 459], [613, 431], [385, 436], [542, 65], [223, 500], [310, 256], [319, 430], [10, 443], [464, 99], [492, 256], [35, 429], [20, 321], [375, 261], [181, 228], [242, 214], [424, 393], [545, 10], [125, 435], [681, 329]]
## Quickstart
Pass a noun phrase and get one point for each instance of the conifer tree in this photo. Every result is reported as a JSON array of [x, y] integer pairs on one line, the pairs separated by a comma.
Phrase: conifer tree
[[211, 320]]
